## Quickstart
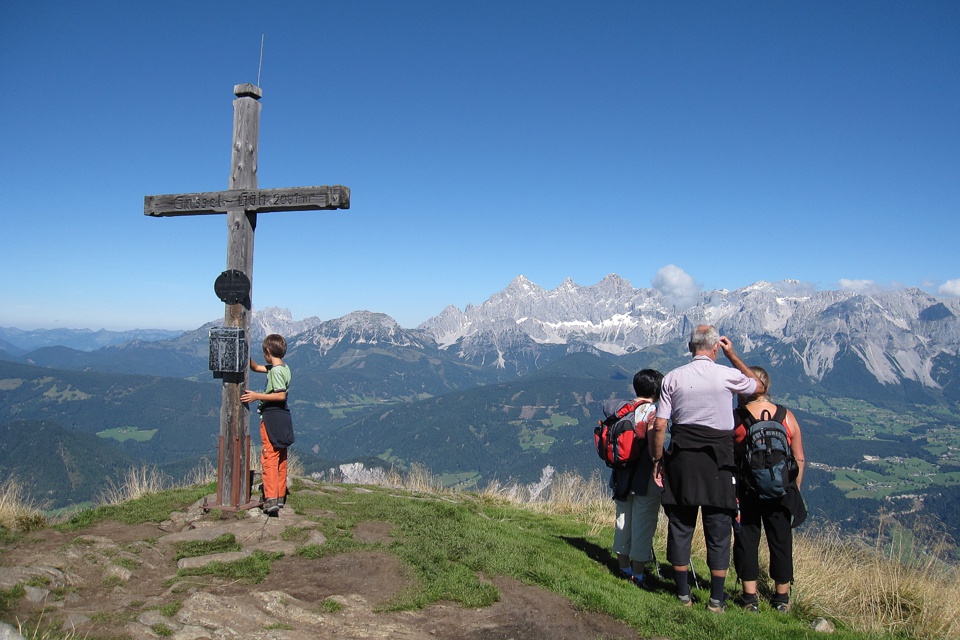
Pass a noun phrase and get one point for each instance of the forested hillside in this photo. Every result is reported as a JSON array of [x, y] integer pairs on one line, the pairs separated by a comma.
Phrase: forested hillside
[[404, 403]]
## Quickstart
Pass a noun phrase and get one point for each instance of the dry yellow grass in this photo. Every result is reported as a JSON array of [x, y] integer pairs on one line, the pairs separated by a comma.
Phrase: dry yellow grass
[[136, 483], [204, 473], [899, 584], [144, 480], [45, 634], [17, 510]]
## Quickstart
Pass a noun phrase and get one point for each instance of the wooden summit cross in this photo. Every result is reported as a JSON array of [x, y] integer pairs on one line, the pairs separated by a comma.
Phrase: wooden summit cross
[[234, 286]]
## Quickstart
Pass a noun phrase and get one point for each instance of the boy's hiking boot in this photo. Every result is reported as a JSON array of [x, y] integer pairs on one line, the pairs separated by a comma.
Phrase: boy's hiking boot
[[271, 507], [716, 606], [639, 580], [686, 600], [282, 501]]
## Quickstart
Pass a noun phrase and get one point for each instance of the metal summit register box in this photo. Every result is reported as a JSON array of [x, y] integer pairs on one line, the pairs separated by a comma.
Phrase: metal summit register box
[[228, 351]]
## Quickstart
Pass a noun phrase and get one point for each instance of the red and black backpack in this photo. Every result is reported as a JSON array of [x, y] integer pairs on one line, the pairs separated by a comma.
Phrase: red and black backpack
[[619, 440]]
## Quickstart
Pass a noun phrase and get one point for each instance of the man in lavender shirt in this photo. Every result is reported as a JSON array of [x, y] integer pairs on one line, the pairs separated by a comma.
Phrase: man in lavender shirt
[[698, 471]]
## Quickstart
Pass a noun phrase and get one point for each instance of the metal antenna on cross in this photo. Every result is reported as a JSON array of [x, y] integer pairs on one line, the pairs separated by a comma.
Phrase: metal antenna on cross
[[261, 60], [228, 344]]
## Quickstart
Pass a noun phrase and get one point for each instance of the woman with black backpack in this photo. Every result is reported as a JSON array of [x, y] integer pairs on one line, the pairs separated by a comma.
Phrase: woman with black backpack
[[776, 505]]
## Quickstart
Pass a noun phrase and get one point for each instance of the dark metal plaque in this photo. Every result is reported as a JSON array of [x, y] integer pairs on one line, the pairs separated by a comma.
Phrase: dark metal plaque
[[232, 287]]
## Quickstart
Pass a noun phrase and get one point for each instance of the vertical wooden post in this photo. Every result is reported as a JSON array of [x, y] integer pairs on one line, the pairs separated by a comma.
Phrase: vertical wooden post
[[234, 415], [241, 203]]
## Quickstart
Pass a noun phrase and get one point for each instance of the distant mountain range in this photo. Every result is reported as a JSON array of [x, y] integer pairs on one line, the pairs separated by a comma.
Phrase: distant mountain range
[[898, 336], [501, 389], [900, 346], [18, 341]]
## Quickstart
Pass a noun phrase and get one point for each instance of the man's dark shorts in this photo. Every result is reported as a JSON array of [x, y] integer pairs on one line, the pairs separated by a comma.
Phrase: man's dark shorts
[[717, 530]]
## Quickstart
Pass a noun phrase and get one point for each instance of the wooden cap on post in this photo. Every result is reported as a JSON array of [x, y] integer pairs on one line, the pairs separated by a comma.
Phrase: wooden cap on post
[[247, 90]]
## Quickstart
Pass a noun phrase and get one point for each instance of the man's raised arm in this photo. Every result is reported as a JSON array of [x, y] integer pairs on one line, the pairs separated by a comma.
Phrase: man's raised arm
[[738, 364]]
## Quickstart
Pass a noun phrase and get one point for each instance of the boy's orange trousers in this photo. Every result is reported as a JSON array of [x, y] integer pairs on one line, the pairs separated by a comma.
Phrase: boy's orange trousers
[[274, 465]]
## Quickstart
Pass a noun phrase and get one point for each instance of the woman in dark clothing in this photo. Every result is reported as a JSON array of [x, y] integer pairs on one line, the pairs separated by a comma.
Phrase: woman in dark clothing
[[776, 516]]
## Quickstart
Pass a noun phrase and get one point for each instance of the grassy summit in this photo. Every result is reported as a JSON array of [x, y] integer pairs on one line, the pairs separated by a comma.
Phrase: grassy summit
[[424, 547]]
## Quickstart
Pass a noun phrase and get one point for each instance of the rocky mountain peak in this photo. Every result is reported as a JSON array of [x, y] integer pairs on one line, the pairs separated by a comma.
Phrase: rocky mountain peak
[[360, 328]]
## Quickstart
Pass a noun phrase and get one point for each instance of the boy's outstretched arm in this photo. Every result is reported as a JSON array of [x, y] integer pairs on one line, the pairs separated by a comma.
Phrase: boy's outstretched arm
[[259, 368], [277, 396]]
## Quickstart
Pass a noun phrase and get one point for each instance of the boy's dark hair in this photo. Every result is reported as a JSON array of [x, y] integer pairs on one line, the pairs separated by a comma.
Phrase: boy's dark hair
[[646, 384], [275, 345]]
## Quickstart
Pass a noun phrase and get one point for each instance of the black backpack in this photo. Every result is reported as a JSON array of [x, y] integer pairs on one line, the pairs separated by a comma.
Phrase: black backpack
[[767, 466], [618, 440]]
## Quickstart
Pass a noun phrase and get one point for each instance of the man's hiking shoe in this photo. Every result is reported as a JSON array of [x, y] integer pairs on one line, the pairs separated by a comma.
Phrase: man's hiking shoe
[[282, 502], [716, 606], [686, 601], [271, 507], [782, 607]]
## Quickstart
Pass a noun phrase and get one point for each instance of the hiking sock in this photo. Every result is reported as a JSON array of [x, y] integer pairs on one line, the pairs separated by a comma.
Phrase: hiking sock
[[716, 587], [683, 587], [781, 602]]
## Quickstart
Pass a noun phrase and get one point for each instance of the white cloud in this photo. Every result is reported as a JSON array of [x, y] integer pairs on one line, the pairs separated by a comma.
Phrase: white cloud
[[796, 287], [950, 288], [859, 286], [676, 286]]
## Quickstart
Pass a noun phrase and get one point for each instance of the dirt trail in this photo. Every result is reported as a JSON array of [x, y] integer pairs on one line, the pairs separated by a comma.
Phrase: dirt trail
[[120, 581]]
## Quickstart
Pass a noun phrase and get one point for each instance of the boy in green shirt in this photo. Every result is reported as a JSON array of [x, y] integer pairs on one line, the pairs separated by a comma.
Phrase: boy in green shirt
[[276, 426]]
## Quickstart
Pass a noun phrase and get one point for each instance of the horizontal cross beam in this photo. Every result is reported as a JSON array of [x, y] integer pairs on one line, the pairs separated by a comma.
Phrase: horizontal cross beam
[[249, 200]]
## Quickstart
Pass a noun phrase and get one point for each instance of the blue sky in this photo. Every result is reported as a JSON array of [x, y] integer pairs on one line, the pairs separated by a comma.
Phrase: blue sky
[[679, 144]]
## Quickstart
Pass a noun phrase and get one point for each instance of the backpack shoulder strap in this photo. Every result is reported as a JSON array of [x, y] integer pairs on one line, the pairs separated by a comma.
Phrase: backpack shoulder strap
[[615, 410], [628, 407], [746, 418], [781, 415]]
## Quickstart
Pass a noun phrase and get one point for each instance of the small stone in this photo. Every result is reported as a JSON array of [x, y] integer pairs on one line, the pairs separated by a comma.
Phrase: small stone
[[317, 538], [73, 621], [115, 571], [34, 594], [7, 632], [822, 625], [150, 618]]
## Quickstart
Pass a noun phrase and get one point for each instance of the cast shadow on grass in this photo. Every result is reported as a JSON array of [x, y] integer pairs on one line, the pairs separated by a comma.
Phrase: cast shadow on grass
[[595, 552], [659, 580]]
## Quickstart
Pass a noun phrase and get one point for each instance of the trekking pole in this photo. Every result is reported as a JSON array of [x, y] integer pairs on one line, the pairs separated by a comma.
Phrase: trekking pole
[[694, 574], [656, 565]]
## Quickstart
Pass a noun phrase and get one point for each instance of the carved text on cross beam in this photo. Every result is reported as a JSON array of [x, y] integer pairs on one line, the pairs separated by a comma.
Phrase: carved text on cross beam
[[255, 201]]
